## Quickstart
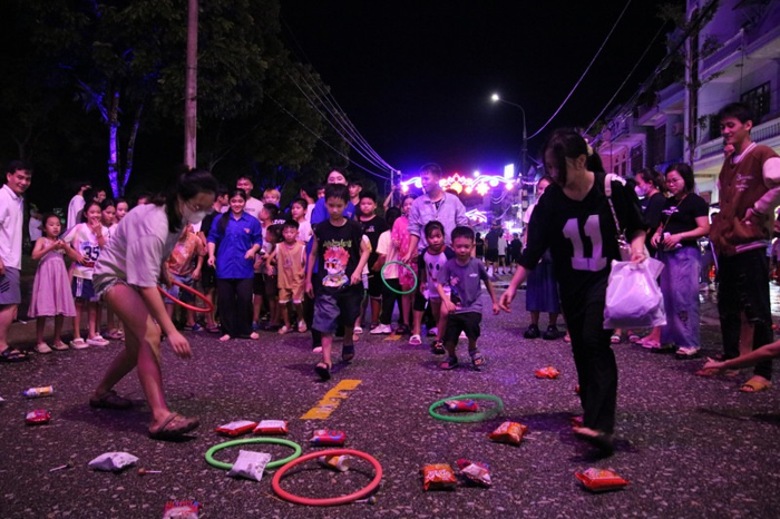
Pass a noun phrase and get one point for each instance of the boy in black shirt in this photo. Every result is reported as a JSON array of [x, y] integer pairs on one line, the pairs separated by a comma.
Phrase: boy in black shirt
[[338, 246], [373, 227]]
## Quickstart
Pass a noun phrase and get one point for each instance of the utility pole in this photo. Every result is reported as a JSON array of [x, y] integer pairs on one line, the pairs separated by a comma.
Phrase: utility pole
[[191, 88]]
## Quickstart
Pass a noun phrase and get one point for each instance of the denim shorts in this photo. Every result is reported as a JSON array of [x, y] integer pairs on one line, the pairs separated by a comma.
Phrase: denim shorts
[[10, 292]]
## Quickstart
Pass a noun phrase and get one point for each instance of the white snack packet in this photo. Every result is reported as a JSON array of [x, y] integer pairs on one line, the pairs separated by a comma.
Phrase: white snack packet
[[113, 461], [250, 465]]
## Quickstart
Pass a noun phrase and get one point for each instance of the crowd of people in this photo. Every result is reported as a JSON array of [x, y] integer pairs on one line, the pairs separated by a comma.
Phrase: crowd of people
[[331, 264]]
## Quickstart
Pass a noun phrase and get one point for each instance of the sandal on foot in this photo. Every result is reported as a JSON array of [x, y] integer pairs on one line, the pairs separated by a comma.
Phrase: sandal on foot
[[415, 340], [755, 385], [174, 427], [347, 352], [110, 400], [225, 338], [450, 363], [254, 336], [213, 328], [437, 348], [601, 440], [283, 330], [59, 346], [12, 355], [322, 370], [615, 339], [477, 360]]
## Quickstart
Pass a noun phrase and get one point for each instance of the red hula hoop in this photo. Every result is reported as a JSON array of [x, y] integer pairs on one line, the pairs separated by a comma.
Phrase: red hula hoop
[[330, 501], [209, 305]]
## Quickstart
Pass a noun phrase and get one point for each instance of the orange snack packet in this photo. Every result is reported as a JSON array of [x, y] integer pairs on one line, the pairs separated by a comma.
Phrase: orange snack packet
[[547, 372], [600, 480], [509, 432], [439, 476]]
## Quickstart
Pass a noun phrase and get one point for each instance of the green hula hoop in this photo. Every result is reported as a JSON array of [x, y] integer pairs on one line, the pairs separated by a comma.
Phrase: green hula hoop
[[395, 290], [274, 464], [468, 417]]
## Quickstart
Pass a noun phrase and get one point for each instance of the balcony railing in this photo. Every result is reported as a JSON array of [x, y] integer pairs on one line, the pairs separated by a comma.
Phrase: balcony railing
[[760, 133]]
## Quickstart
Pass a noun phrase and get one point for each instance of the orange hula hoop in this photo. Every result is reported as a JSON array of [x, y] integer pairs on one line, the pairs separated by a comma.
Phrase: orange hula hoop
[[209, 305]]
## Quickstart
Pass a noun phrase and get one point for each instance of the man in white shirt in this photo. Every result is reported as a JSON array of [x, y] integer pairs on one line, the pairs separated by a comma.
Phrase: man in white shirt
[[253, 205], [18, 176], [76, 205]]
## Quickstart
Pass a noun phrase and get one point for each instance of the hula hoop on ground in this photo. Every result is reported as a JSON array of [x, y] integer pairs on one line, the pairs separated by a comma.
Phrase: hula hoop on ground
[[395, 290], [274, 464], [209, 305], [330, 501], [468, 417]]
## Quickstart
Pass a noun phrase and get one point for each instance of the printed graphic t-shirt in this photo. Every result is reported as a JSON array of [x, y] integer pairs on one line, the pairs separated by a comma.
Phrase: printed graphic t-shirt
[[338, 252]]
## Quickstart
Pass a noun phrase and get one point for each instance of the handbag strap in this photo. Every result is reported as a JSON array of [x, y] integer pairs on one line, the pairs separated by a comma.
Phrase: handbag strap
[[608, 178]]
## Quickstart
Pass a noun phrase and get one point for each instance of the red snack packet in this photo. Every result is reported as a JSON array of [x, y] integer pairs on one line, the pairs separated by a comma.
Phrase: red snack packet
[[600, 480], [462, 406], [271, 427], [236, 428], [509, 432], [38, 417], [474, 472], [439, 476], [547, 372], [185, 509], [326, 437]]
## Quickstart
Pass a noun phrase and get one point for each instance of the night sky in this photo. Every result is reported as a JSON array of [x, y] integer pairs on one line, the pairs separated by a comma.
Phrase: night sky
[[415, 77]]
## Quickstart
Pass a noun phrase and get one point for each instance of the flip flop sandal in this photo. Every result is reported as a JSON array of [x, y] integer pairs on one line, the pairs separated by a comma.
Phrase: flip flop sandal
[[322, 370], [450, 363], [347, 352], [11, 355], [478, 360], [755, 385], [437, 348], [415, 340], [174, 427], [110, 400], [615, 339]]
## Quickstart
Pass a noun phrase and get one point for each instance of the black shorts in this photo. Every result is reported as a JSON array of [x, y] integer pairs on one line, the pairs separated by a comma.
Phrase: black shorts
[[208, 278], [332, 307], [375, 285], [258, 284], [467, 322], [491, 255], [271, 286]]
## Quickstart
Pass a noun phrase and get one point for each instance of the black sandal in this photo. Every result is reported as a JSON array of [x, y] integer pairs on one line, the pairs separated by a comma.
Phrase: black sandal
[[477, 360], [323, 370], [11, 355], [347, 352], [437, 348], [450, 363]]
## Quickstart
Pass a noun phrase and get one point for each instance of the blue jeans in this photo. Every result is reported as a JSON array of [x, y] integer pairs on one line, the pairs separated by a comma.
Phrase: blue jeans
[[680, 287]]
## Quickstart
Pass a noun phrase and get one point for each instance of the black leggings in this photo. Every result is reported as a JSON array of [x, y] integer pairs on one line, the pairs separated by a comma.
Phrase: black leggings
[[235, 306], [389, 300]]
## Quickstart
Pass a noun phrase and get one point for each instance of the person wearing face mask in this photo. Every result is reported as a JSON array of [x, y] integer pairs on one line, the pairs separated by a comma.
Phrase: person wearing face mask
[[234, 239], [126, 276]]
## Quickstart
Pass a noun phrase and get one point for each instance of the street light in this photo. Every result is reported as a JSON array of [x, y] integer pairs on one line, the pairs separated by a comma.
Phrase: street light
[[524, 150]]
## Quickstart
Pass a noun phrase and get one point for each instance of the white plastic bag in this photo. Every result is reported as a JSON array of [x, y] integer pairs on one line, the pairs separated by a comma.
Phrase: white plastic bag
[[634, 299]]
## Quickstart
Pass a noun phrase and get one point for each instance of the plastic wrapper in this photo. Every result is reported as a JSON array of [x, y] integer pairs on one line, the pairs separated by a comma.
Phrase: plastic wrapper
[[600, 480], [186, 509], [462, 406], [37, 392], [547, 372], [509, 432], [474, 472], [113, 461], [271, 427], [236, 428], [250, 465], [37, 417], [439, 476], [339, 463], [328, 437]]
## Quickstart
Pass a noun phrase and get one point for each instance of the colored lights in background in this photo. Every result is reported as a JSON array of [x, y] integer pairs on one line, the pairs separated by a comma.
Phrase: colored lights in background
[[479, 183]]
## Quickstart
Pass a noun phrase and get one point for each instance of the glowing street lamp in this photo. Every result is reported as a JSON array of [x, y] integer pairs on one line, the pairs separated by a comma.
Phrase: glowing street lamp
[[495, 98]]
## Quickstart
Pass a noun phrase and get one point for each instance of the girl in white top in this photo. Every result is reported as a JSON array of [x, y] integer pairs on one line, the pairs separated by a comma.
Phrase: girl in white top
[[126, 276], [110, 218], [86, 239]]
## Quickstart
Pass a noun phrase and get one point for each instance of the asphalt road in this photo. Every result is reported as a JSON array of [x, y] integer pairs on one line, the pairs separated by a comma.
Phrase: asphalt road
[[690, 447]]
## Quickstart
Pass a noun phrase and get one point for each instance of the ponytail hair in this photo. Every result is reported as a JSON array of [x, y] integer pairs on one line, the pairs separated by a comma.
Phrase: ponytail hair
[[189, 183]]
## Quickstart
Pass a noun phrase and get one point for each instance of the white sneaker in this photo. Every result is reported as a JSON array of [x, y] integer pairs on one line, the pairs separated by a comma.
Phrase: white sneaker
[[97, 340], [381, 329], [42, 347], [78, 344], [433, 332]]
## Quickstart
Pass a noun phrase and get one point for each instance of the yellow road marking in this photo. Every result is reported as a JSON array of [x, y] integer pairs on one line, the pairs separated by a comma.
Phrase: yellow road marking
[[331, 400], [393, 337]]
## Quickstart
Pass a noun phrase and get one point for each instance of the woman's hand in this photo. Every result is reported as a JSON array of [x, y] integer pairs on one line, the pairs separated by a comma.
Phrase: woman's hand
[[180, 345], [671, 241], [655, 240], [506, 299]]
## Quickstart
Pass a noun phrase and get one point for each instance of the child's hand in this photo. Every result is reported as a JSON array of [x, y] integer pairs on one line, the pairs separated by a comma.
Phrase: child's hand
[[212, 261], [249, 254], [196, 274], [496, 309], [450, 306], [310, 289], [355, 278]]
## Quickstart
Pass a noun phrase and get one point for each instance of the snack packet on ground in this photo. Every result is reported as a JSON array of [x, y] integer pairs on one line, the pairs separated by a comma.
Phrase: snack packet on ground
[[249, 465], [600, 480], [547, 372], [113, 461], [186, 509], [340, 463], [271, 427], [462, 406], [474, 472], [236, 428], [509, 432], [439, 476], [328, 437], [37, 417]]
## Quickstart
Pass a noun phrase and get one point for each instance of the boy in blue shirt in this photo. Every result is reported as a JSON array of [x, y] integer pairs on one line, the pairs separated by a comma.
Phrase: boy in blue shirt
[[341, 253], [464, 307]]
